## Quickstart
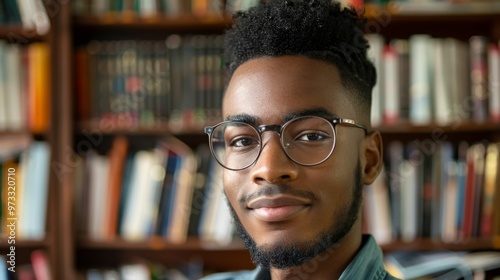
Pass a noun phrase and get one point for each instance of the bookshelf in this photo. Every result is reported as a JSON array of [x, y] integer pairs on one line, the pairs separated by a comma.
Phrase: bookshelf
[[19, 43], [69, 252]]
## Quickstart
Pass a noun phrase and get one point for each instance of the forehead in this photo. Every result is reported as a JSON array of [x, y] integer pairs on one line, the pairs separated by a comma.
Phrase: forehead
[[270, 88]]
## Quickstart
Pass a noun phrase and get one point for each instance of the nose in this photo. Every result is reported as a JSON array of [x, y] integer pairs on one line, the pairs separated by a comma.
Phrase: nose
[[273, 165]]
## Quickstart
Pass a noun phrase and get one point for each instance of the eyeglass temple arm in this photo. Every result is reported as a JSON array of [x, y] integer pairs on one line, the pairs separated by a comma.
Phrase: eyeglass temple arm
[[349, 122]]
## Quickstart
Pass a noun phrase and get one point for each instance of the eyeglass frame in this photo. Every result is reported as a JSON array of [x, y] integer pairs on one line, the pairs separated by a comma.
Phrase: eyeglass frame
[[279, 129]]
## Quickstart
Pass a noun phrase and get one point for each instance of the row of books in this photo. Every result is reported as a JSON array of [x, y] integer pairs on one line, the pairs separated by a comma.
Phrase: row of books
[[38, 268], [448, 193], [169, 191], [30, 13], [24, 87], [24, 167], [172, 8], [426, 80], [443, 264], [178, 81]]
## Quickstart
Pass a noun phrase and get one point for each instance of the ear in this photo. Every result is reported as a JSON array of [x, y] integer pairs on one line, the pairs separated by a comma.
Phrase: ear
[[371, 157]]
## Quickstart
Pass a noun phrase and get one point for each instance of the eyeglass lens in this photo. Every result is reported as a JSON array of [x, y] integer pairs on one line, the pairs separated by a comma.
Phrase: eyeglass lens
[[306, 140]]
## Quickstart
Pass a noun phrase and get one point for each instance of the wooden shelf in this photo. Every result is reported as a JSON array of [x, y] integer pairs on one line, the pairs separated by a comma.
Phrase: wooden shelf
[[24, 244], [193, 244], [431, 245], [458, 127], [156, 243], [132, 21], [158, 129], [16, 33], [91, 253]]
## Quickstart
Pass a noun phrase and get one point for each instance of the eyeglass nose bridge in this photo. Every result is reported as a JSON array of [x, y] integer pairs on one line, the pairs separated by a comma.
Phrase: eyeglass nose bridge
[[271, 127]]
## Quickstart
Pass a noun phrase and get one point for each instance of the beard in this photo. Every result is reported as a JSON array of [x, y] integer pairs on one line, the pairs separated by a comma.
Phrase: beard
[[287, 255]]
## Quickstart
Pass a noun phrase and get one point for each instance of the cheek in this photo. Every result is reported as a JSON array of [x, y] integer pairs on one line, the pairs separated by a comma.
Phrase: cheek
[[233, 184]]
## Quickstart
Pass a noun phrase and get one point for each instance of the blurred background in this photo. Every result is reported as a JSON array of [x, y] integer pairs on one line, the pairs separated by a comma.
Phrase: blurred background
[[106, 171]]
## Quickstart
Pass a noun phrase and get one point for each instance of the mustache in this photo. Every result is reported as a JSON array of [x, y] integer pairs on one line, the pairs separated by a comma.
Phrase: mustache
[[271, 190]]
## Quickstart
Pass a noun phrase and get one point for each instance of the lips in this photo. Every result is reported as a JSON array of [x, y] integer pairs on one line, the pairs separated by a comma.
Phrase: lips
[[277, 208]]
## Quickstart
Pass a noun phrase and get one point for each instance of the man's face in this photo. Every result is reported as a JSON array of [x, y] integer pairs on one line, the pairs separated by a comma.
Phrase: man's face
[[281, 205]]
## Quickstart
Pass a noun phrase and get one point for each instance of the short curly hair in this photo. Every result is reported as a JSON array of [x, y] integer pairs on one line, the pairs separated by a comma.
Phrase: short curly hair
[[318, 29]]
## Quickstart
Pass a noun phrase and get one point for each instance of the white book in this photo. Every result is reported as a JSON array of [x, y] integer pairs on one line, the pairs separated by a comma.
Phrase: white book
[[153, 186], [34, 16], [409, 198], [134, 272], [224, 227], [213, 196], [26, 11], [442, 83], [391, 86], [99, 7], [377, 209], [420, 79], [14, 104], [375, 54], [40, 18], [135, 225], [3, 88], [147, 7], [494, 82], [98, 196]]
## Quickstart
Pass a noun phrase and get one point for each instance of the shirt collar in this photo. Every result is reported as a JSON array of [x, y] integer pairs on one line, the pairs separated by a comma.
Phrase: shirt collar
[[368, 263]]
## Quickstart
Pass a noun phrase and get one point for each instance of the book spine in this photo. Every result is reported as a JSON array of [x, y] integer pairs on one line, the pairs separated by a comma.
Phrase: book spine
[[479, 77], [494, 82]]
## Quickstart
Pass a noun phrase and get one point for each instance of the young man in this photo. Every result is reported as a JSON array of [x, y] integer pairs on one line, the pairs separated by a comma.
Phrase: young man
[[296, 143]]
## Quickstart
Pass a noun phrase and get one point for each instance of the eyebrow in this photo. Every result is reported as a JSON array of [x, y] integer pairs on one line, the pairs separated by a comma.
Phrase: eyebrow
[[319, 112]]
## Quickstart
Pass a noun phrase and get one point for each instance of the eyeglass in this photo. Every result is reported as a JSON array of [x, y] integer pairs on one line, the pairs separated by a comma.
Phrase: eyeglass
[[307, 140]]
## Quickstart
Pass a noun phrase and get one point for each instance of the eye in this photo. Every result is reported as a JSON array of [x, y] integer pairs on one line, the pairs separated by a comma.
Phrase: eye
[[311, 136], [243, 142]]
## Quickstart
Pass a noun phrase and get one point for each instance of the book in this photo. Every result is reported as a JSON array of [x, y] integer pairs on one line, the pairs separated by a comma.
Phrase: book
[[39, 88], [391, 86], [479, 77], [12, 86], [375, 54], [441, 264], [421, 71], [117, 158], [35, 186], [98, 195], [40, 265], [414, 264], [167, 194], [140, 205], [184, 184], [494, 82], [489, 192], [378, 215], [3, 89], [203, 156]]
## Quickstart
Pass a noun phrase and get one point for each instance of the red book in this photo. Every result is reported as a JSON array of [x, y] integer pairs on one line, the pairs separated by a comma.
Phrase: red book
[[40, 265], [466, 230]]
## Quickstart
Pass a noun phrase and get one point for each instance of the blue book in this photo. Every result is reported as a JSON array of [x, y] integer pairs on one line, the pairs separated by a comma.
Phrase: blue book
[[35, 194], [167, 194]]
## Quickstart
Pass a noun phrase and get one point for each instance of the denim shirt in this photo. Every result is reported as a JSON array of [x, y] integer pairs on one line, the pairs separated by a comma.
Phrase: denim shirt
[[368, 264]]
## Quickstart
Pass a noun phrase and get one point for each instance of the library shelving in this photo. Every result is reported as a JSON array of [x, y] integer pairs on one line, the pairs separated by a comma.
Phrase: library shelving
[[71, 127], [26, 249]]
